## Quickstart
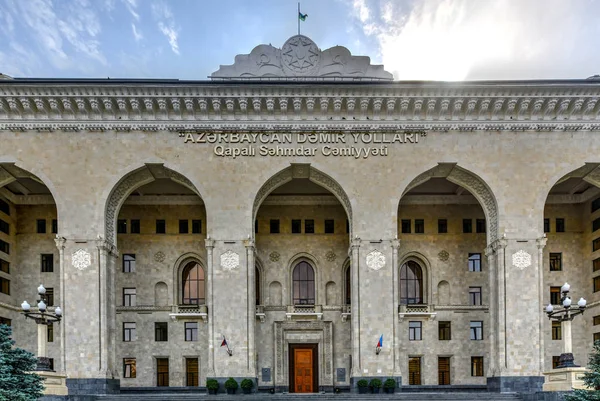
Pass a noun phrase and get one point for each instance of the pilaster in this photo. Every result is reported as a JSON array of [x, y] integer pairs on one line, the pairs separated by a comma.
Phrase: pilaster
[[60, 244], [251, 318], [210, 244], [355, 318], [541, 244], [396, 297]]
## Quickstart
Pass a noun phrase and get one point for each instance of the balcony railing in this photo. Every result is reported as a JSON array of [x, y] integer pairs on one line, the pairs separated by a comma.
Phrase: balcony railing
[[416, 311], [304, 312], [189, 312]]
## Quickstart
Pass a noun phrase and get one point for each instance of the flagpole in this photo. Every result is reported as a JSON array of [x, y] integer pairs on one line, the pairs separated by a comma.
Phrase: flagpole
[[298, 16]]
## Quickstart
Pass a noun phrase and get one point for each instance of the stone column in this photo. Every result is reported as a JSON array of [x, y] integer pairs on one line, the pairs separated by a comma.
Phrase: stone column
[[495, 258], [210, 244], [396, 298], [541, 244], [60, 244], [355, 316], [250, 249]]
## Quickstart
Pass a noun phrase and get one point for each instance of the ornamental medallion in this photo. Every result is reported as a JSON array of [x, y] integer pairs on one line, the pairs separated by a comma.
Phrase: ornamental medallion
[[274, 256], [81, 259], [521, 259], [375, 260], [230, 260], [159, 257], [300, 54], [444, 256], [330, 256]]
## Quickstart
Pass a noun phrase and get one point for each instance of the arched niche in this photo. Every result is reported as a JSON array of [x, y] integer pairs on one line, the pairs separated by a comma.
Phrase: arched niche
[[443, 293], [313, 262], [423, 262], [161, 294], [178, 270], [275, 295], [331, 293]]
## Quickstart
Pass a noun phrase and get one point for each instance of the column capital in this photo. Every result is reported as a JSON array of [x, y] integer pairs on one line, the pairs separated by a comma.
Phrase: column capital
[[249, 244], [395, 244], [209, 243], [541, 242], [499, 244], [60, 242], [106, 246], [355, 243]]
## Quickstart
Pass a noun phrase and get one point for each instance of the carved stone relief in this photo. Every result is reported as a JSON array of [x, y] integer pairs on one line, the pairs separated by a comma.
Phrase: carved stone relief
[[230, 260], [159, 256], [274, 256], [375, 260], [521, 259], [81, 259], [330, 256], [444, 256]]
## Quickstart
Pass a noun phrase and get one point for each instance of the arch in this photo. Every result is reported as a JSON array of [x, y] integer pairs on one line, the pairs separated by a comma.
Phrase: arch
[[443, 293], [347, 280], [178, 271], [303, 289], [314, 263], [298, 170], [471, 182], [129, 183], [425, 266], [161, 294], [330, 293], [411, 283], [275, 296]]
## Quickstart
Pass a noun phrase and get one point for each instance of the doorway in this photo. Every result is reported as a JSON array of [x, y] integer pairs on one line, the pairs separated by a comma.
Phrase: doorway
[[414, 370], [304, 368]]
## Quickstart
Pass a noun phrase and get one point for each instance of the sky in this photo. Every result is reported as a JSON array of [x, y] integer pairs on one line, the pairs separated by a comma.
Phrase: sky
[[449, 40]]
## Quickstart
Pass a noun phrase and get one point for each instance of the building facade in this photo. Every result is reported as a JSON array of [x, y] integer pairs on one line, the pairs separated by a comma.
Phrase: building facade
[[280, 220]]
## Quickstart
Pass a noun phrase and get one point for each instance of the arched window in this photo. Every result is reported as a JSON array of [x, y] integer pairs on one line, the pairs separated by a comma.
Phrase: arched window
[[193, 284], [348, 285], [304, 284], [257, 285], [411, 283]]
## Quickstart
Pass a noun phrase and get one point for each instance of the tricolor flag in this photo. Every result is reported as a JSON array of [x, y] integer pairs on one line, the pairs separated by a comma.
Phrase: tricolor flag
[[302, 17], [224, 343], [380, 342]]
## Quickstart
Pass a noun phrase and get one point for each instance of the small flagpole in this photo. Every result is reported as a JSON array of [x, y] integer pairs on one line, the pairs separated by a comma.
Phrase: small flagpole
[[298, 16]]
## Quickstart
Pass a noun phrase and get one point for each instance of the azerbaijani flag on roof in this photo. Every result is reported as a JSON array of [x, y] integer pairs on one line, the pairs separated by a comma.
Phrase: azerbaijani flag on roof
[[302, 17]]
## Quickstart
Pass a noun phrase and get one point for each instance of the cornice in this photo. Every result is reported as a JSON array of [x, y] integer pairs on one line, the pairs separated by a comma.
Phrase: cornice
[[158, 107]]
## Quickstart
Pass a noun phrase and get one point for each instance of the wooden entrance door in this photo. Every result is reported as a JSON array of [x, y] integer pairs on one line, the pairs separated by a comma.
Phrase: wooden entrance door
[[443, 370], [303, 368]]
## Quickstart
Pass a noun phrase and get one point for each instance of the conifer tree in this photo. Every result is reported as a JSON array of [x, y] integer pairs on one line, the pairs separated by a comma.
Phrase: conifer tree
[[17, 383], [591, 379]]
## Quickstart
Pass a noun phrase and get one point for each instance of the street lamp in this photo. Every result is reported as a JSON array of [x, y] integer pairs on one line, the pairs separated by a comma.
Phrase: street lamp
[[43, 318], [565, 316]]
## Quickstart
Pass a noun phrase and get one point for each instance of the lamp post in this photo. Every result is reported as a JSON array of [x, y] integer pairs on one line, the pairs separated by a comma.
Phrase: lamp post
[[42, 318], [565, 316]]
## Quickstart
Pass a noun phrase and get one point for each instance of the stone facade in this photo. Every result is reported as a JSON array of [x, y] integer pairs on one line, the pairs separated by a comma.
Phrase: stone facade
[[242, 159]]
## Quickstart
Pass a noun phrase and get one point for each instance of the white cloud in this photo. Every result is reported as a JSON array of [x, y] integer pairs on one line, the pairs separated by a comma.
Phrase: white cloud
[[472, 39], [171, 34], [137, 35], [166, 24], [131, 7]]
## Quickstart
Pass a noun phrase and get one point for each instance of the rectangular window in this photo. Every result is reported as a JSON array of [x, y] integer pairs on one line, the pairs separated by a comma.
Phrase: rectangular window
[[184, 227], [47, 263], [50, 333], [129, 332], [555, 361], [467, 226], [54, 226], [474, 295], [191, 372], [274, 226], [555, 262], [596, 320], [476, 366], [596, 264], [546, 225], [256, 226], [41, 226], [191, 331], [405, 226], [595, 205], [161, 331], [419, 226], [4, 286], [129, 263], [329, 226], [4, 227], [556, 331], [162, 372], [480, 226], [474, 262], [4, 207], [555, 295], [129, 296], [51, 363], [135, 226], [129, 368], [49, 296], [196, 226], [443, 370], [296, 226], [476, 330], [347, 226], [596, 337], [161, 227], [596, 284], [560, 225], [309, 226], [4, 247], [442, 226], [444, 331], [121, 226], [595, 245], [414, 370], [5, 321], [414, 331], [4, 266], [596, 224]]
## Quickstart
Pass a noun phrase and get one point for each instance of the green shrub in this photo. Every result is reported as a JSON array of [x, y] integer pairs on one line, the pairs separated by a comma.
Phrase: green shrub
[[231, 384], [389, 383], [247, 384], [362, 383], [212, 384], [375, 383]]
